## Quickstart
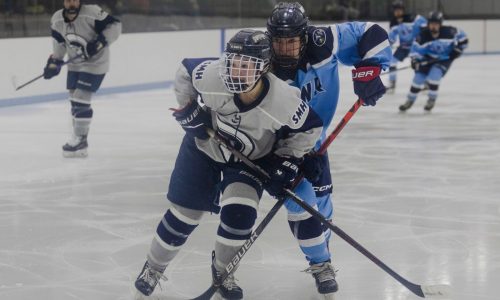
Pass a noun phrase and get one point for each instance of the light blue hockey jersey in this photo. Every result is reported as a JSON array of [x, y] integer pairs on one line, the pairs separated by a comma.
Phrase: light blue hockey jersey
[[352, 43], [441, 47], [406, 31]]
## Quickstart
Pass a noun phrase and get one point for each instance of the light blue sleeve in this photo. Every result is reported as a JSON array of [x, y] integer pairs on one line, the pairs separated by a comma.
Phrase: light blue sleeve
[[363, 43], [393, 34], [418, 23]]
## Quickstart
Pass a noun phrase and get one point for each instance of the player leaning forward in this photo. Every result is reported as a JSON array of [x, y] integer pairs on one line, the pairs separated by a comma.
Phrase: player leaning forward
[[83, 32], [263, 117]]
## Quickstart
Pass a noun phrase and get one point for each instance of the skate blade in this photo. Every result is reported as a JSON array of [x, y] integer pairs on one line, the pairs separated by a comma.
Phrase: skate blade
[[76, 154], [140, 296], [218, 296], [330, 296]]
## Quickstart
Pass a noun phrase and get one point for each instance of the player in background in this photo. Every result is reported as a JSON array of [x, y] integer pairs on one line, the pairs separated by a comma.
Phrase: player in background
[[403, 28], [84, 33], [440, 45], [261, 116], [307, 57]]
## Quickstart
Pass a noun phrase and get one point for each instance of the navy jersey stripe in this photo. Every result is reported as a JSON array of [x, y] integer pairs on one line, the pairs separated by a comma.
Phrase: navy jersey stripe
[[192, 63], [312, 121], [57, 36], [100, 25], [319, 44], [371, 38]]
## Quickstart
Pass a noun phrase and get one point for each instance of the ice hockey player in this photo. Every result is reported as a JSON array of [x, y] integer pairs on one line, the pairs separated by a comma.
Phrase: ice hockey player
[[261, 116], [431, 56], [403, 28], [307, 57], [84, 33]]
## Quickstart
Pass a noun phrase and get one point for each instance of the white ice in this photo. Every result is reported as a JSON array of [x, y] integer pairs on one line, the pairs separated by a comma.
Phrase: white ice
[[420, 191]]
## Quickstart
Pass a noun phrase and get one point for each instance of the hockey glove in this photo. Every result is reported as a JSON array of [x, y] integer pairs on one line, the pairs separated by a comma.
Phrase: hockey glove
[[415, 63], [282, 171], [93, 47], [52, 68], [367, 84], [194, 120], [455, 53], [312, 167]]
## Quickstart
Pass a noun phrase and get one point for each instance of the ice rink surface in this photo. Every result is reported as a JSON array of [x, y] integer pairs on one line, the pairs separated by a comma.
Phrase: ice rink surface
[[421, 191]]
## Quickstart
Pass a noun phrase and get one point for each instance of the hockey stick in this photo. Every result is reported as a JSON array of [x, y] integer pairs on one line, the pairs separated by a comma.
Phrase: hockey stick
[[14, 81], [424, 291], [423, 63], [255, 234]]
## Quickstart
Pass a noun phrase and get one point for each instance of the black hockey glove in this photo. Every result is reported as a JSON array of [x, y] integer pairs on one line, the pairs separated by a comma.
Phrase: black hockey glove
[[52, 68], [455, 53], [93, 47], [194, 120], [416, 63], [367, 84], [282, 171], [312, 167]]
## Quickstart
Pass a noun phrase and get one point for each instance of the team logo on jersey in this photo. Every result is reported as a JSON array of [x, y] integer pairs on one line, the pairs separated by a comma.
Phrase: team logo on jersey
[[319, 37], [300, 112], [236, 119], [311, 89], [77, 46]]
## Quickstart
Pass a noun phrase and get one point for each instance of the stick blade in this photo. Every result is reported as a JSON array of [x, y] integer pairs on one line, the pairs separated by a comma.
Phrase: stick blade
[[438, 291]]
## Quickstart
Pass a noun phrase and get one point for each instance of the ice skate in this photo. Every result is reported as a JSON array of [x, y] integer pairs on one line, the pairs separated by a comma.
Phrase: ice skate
[[404, 107], [76, 147], [391, 88], [429, 105], [148, 279], [324, 275], [228, 290]]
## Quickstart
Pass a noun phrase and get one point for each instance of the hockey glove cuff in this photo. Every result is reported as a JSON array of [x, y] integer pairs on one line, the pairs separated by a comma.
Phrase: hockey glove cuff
[[367, 84], [52, 68], [194, 120]]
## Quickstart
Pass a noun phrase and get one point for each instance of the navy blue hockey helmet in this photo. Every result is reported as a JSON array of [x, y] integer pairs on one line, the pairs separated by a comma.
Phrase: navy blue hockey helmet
[[398, 4], [288, 20], [246, 58], [435, 17]]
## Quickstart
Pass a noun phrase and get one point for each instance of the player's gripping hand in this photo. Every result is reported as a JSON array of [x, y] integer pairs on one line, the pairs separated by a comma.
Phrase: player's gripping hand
[[93, 47], [194, 120], [416, 63], [367, 84], [282, 171], [312, 167], [52, 68], [455, 53]]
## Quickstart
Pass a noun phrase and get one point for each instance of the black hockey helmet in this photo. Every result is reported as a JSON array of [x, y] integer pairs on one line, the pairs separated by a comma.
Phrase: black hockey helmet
[[435, 17], [251, 43], [288, 20], [246, 58], [398, 4]]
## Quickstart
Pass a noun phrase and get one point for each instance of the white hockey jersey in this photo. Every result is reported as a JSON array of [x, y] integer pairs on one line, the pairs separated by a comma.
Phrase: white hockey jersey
[[72, 37], [277, 121]]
